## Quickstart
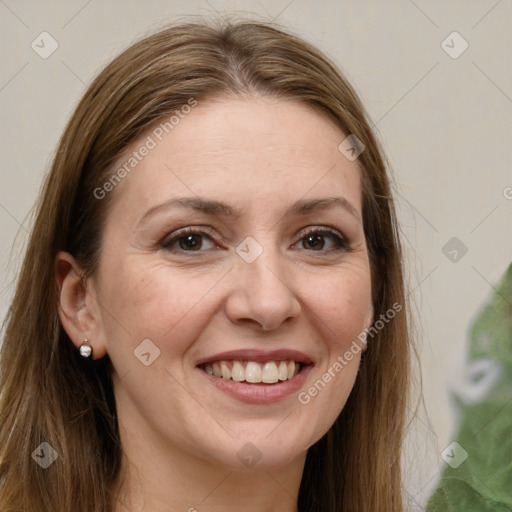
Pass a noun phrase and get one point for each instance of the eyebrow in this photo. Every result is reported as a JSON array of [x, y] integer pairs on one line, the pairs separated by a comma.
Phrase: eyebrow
[[220, 209]]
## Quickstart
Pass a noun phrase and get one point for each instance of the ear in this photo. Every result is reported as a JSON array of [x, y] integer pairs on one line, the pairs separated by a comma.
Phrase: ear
[[79, 311]]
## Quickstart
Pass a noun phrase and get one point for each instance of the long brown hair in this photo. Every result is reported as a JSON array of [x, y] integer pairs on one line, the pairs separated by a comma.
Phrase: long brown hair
[[48, 395]]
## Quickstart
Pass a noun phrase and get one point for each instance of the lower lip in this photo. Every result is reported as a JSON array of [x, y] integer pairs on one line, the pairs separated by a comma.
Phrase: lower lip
[[259, 393]]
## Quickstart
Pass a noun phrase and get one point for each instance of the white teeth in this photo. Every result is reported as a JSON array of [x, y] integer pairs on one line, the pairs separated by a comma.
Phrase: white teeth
[[216, 370], [291, 369], [283, 371], [238, 372], [226, 372], [253, 372], [268, 373]]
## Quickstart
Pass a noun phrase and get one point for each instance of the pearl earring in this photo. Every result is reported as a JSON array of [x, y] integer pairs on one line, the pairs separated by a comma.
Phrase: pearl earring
[[85, 349]]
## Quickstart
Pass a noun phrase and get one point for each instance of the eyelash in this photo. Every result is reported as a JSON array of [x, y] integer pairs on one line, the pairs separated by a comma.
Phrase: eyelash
[[340, 241]]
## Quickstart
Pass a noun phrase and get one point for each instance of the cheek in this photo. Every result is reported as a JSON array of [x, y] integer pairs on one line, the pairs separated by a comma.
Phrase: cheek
[[340, 310], [154, 302], [342, 304]]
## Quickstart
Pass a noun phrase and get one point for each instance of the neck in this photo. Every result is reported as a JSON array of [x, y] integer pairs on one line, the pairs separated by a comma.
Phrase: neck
[[162, 480]]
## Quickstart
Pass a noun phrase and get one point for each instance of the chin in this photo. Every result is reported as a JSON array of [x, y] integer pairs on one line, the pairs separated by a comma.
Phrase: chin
[[259, 453]]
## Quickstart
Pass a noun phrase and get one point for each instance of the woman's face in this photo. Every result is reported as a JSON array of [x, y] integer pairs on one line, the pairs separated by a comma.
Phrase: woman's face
[[238, 237]]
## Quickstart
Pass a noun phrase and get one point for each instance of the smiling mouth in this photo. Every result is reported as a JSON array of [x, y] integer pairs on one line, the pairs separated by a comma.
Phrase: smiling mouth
[[270, 372]]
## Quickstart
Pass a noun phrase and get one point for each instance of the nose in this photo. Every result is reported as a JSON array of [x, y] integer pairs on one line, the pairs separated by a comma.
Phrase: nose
[[263, 292]]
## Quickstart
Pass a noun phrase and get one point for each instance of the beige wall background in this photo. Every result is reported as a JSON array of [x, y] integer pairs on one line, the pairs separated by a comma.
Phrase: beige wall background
[[442, 111]]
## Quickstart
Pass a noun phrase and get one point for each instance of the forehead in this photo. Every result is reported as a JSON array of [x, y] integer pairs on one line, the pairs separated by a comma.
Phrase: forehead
[[232, 149]]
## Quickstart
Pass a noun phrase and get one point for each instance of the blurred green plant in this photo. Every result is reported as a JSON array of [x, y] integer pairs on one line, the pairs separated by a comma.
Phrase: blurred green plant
[[483, 482]]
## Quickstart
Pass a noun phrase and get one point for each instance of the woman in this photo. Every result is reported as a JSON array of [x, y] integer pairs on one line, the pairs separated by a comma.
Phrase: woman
[[211, 310]]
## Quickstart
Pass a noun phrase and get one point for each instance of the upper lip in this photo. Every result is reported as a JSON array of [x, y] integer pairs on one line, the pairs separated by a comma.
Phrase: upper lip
[[258, 356]]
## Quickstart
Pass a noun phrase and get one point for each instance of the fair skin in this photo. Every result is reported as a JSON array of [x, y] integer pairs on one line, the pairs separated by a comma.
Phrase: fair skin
[[181, 433]]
